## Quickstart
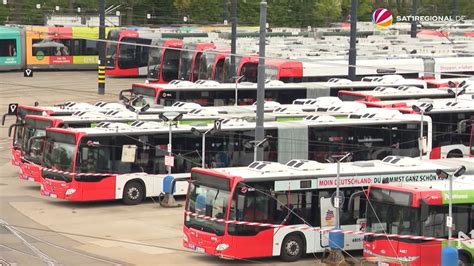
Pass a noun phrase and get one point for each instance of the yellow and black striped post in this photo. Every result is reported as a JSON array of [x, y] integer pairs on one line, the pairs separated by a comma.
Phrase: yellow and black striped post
[[101, 79]]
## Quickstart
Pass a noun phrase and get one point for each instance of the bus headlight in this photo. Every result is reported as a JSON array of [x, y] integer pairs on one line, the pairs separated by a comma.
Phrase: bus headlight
[[222, 247], [70, 191], [185, 238]]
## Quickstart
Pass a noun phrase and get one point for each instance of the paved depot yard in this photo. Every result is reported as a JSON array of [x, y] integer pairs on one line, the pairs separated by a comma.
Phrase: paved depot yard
[[102, 233]]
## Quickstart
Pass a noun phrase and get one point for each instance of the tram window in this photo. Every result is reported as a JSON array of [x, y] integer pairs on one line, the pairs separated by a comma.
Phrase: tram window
[[8, 47], [49, 47]]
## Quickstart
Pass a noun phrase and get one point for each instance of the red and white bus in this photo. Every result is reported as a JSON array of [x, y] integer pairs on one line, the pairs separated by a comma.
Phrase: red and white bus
[[120, 161], [419, 209], [128, 52], [452, 123], [22, 111], [190, 60], [297, 194], [212, 65], [163, 63]]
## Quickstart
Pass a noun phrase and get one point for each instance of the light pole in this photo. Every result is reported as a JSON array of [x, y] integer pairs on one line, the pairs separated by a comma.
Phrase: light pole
[[137, 110], [170, 117], [422, 109], [444, 175], [211, 131], [338, 177], [456, 92], [255, 144], [237, 79]]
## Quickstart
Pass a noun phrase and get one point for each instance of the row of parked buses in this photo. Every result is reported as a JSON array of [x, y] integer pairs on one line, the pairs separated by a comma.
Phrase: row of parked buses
[[104, 151], [162, 60]]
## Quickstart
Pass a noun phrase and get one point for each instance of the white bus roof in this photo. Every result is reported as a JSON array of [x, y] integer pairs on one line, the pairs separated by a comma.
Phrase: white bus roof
[[390, 166]]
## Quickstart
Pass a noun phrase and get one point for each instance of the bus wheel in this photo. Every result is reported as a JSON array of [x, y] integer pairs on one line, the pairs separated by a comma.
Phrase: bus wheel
[[133, 193], [454, 154], [292, 248], [464, 260]]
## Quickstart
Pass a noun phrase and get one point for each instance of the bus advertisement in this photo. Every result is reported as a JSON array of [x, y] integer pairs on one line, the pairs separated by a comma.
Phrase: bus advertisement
[[230, 212], [419, 210]]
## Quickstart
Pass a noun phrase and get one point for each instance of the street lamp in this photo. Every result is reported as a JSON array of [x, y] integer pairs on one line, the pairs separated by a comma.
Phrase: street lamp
[[255, 144], [213, 130], [170, 117], [237, 79], [336, 198], [422, 109], [445, 175], [456, 92], [137, 110]]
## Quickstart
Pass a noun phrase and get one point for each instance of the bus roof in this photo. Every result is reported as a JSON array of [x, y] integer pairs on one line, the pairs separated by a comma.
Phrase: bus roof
[[360, 118], [394, 168], [450, 105], [183, 85]]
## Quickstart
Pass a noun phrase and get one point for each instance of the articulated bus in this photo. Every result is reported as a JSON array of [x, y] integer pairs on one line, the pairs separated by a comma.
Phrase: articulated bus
[[212, 93], [420, 210], [298, 194], [12, 45], [190, 60], [129, 53], [34, 128], [127, 161], [452, 123]]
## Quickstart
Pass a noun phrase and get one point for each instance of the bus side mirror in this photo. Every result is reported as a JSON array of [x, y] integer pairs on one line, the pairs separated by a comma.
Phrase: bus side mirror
[[423, 210]]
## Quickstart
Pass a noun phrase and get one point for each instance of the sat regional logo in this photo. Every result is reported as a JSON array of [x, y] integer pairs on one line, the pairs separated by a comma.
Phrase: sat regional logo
[[382, 18]]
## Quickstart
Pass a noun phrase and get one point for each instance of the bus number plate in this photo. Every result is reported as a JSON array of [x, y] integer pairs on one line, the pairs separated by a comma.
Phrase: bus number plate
[[199, 250]]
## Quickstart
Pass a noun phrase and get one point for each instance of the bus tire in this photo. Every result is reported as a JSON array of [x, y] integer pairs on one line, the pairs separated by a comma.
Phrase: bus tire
[[133, 193], [464, 260], [454, 154], [292, 248]]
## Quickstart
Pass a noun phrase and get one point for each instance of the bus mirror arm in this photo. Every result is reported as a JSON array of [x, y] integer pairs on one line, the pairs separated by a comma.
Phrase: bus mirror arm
[[124, 98], [3, 119], [10, 128], [354, 203]]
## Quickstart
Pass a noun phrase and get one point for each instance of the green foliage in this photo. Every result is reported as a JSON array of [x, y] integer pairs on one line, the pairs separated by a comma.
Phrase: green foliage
[[4, 13]]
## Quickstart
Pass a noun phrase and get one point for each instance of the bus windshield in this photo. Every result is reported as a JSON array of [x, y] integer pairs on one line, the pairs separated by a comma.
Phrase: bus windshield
[[59, 155], [170, 64], [185, 65], [209, 196], [34, 150], [111, 48], [206, 65], [390, 212]]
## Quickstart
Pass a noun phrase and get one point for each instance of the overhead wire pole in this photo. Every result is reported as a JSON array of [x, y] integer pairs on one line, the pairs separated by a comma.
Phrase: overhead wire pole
[[413, 21], [101, 47], [352, 45], [455, 8], [259, 130], [233, 37]]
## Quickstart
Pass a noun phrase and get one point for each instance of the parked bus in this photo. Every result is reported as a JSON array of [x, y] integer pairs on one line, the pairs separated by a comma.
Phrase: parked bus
[[212, 65], [128, 53], [389, 93], [190, 60], [452, 123], [34, 128], [163, 63], [127, 161], [297, 194], [12, 45], [67, 108], [419, 210]]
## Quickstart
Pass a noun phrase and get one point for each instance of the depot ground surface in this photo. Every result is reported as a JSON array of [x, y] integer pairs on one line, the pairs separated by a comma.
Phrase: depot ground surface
[[43, 230]]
